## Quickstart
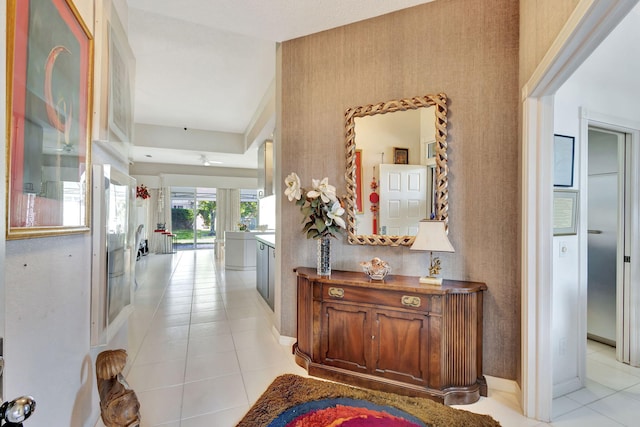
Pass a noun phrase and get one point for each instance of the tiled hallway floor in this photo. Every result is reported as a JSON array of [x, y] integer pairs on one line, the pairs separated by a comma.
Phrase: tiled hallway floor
[[206, 350], [201, 351]]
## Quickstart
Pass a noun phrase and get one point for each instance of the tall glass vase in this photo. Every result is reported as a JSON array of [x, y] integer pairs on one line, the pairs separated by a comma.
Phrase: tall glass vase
[[324, 256]]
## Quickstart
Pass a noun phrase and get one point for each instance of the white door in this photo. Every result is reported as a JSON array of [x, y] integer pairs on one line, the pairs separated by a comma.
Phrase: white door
[[403, 199]]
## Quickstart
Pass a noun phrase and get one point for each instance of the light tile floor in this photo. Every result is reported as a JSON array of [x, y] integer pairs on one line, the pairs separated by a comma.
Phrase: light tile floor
[[201, 351]]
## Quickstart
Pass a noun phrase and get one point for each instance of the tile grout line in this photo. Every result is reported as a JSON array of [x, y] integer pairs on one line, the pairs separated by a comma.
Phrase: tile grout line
[[153, 316], [235, 346], [614, 391]]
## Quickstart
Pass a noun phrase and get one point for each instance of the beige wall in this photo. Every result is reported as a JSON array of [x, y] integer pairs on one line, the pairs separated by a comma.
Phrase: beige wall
[[465, 48], [540, 24]]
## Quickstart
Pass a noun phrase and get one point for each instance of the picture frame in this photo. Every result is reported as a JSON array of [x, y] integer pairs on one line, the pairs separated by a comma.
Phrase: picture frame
[[565, 212], [49, 104], [400, 156], [563, 159], [359, 200], [120, 99], [113, 267]]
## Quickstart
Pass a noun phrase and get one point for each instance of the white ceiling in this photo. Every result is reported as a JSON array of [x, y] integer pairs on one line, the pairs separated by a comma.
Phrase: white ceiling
[[207, 64]]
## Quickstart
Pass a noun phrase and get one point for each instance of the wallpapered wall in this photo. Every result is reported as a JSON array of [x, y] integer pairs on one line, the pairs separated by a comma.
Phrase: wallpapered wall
[[464, 48], [540, 24]]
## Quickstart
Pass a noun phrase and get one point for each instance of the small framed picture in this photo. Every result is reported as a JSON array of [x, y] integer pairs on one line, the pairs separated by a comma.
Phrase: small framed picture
[[400, 156], [565, 212], [563, 147]]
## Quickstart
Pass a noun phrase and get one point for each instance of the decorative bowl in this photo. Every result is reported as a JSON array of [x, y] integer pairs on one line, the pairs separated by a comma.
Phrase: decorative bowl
[[376, 269]]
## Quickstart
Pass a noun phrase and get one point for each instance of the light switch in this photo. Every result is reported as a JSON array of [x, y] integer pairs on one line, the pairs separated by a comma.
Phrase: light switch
[[564, 249]]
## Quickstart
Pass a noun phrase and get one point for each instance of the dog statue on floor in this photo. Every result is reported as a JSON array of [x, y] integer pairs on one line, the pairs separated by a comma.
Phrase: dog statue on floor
[[119, 406]]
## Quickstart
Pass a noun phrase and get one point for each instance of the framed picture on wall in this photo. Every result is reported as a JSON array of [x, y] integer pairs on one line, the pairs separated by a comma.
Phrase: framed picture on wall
[[563, 147], [565, 212], [50, 70], [121, 63], [113, 269], [400, 156]]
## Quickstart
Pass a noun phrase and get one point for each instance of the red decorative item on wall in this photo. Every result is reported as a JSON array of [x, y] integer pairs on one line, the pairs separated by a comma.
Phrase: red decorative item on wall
[[142, 192], [374, 198]]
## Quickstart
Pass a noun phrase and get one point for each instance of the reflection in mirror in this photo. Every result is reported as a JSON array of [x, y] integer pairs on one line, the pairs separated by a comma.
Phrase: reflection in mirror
[[119, 198], [396, 169], [393, 151]]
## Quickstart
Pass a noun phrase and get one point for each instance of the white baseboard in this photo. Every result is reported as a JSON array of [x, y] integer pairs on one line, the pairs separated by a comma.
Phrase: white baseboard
[[502, 384], [506, 386], [567, 387], [283, 339]]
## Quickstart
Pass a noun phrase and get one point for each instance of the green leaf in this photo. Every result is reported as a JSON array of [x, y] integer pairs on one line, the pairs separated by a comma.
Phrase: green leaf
[[320, 225]]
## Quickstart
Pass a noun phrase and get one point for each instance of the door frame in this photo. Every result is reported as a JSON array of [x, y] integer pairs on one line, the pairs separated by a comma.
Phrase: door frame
[[589, 24], [3, 172], [627, 298]]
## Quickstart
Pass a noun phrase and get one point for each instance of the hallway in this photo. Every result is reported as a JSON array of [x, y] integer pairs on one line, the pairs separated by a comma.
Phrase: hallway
[[201, 347], [201, 351]]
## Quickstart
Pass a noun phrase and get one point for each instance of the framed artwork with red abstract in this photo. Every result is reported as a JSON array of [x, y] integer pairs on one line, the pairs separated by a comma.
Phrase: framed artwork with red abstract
[[49, 104]]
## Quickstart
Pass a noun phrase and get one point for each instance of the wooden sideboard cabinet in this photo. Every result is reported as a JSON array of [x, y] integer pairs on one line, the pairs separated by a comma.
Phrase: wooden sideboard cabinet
[[398, 335]]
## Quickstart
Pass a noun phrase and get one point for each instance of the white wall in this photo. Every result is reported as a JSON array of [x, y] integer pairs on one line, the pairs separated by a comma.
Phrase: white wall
[[267, 212], [607, 84], [47, 317], [566, 285]]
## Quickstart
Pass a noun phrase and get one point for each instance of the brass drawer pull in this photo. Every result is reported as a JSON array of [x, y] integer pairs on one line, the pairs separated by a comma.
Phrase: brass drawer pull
[[410, 301], [336, 292]]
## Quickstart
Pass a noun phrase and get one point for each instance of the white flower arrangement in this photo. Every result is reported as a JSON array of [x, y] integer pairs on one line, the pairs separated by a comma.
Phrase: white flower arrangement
[[320, 206]]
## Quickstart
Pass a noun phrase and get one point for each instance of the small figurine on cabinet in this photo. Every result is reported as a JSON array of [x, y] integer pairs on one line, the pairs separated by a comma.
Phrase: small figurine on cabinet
[[119, 405], [376, 269]]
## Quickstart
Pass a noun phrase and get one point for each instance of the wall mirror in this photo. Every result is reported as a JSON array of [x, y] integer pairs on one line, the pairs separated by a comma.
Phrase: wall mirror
[[113, 269], [396, 170]]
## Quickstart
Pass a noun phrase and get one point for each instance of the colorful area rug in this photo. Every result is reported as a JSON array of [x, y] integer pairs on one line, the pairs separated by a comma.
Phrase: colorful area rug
[[294, 401]]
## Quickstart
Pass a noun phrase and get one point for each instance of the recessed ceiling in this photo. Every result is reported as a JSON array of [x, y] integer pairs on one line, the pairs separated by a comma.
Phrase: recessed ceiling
[[206, 64]]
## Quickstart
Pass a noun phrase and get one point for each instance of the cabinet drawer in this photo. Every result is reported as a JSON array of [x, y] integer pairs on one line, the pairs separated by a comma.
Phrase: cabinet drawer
[[391, 299]]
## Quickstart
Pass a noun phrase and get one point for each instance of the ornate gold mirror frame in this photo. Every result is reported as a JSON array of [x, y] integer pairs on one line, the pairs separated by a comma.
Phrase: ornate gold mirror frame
[[441, 207]]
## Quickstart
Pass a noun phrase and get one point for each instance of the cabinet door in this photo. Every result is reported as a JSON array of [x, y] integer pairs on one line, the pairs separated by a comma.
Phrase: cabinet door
[[261, 269], [401, 346], [345, 336], [271, 277]]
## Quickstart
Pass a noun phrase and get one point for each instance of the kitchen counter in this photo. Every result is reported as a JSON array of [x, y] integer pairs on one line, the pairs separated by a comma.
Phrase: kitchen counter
[[267, 239], [239, 250]]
